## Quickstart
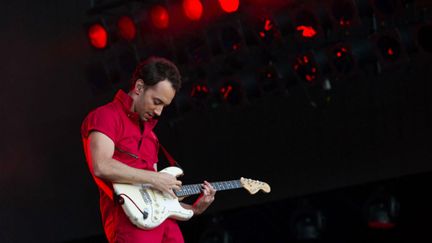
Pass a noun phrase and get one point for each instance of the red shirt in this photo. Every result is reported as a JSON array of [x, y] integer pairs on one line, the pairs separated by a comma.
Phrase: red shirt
[[133, 147]]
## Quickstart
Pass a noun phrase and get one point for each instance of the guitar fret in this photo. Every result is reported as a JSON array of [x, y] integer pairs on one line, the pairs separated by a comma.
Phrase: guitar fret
[[193, 189]]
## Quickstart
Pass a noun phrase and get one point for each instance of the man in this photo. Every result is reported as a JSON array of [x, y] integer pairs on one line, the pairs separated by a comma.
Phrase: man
[[120, 147]]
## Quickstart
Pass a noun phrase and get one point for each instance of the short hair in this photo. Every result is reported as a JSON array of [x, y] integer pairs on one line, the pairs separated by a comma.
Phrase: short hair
[[156, 69]]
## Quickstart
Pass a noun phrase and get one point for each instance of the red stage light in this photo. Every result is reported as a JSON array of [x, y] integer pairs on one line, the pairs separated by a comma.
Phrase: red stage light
[[306, 69], [306, 31], [199, 91], [229, 6], [342, 59], [267, 30], [126, 28], [344, 12], [193, 9], [159, 17], [389, 47], [98, 36], [306, 24]]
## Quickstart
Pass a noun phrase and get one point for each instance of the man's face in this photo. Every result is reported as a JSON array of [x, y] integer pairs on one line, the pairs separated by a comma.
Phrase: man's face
[[152, 99]]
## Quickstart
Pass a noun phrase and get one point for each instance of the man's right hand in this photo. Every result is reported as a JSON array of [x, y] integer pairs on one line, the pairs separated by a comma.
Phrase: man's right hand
[[165, 182]]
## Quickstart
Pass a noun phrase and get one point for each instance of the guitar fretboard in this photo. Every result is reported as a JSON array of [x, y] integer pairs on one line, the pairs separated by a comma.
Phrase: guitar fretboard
[[192, 189]]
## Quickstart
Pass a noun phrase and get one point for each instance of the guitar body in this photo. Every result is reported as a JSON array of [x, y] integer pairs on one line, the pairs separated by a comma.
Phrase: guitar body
[[147, 207]]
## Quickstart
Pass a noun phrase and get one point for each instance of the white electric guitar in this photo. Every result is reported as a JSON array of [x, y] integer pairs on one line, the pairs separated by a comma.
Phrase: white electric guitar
[[147, 207]]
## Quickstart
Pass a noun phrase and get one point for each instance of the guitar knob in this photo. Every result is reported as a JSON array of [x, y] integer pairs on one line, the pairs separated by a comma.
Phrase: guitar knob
[[145, 215]]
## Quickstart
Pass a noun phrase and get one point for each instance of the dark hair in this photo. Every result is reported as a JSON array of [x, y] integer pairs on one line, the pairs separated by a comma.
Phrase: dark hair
[[156, 69]]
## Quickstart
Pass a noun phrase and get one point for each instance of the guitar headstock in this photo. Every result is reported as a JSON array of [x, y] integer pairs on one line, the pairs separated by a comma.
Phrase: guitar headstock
[[253, 186]]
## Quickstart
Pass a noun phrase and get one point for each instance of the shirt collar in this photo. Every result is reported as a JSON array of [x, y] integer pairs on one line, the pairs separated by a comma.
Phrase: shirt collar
[[126, 102]]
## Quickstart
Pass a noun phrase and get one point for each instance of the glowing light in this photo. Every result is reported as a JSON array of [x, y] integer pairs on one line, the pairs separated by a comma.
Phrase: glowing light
[[268, 25], [342, 59], [306, 31], [226, 92], [229, 6], [126, 28], [199, 91], [160, 17], [98, 36], [193, 9], [305, 68]]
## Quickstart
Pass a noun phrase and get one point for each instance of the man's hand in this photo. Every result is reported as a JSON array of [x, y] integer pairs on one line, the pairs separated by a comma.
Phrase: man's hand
[[206, 198], [165, 182]]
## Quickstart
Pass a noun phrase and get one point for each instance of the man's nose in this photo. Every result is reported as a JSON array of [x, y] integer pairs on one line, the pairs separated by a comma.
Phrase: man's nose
[[158, 110]]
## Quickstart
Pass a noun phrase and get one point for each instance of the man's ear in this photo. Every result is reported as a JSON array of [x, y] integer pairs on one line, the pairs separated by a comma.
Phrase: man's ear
[[139, 86]]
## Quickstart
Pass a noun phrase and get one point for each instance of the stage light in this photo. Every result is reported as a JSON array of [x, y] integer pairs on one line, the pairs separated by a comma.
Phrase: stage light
[[341, 59], [424, 37], [267, 30], [268, 78], [306, 25], [229, 6], [306, 68], [307, 223], [382, 210], [193, 9], [389, 47], [231, 92], [231, 39], [98, 35], [344, 12], [197, 48], [159, 17], [126, 28], [200, 90]]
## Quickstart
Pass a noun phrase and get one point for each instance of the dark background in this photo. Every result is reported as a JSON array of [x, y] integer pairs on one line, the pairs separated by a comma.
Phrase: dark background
[[375, 131]]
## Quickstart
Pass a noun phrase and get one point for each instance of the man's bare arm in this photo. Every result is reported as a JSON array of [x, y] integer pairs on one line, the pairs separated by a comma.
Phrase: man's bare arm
[[101, 149]]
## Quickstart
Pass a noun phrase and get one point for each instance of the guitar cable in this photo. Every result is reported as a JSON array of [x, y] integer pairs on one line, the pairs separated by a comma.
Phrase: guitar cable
[[120, 200]]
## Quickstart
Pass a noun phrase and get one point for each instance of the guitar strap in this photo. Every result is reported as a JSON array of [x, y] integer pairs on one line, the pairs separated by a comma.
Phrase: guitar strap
[[170, 159]]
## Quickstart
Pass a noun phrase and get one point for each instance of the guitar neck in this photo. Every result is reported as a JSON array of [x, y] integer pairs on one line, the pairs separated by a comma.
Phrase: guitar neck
[[193, 189]]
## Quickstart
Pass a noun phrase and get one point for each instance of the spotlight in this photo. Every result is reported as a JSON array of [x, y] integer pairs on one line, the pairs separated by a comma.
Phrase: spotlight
[[341, 59], [231, 39], [229, 6], [306, 68], [97, 34], [269, 78], [307, 223], [231, 92], [126, 28], [382, 210], [197, 48], [388, 47], [306, 25], [267, 30], [200, 90], [159, 16], [344, 12], [193, 9]]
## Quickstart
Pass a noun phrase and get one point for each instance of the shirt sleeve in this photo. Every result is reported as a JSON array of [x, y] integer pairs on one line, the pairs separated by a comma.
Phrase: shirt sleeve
[[102, 120]]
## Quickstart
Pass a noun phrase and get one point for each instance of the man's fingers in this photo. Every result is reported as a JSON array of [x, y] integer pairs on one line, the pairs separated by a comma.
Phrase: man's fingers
[[175, 188]]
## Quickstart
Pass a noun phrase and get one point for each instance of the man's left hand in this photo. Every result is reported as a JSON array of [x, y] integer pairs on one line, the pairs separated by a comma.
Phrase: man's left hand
[[206, 198]]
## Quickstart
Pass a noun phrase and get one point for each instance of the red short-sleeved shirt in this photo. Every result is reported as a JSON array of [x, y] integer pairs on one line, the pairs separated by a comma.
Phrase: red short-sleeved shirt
[[132, 147]]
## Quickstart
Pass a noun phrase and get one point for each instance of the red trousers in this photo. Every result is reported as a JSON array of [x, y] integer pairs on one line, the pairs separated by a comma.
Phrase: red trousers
[[125, 232]]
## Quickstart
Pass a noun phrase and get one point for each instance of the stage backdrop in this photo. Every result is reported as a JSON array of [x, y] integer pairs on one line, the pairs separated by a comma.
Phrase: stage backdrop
[[375, 127]]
